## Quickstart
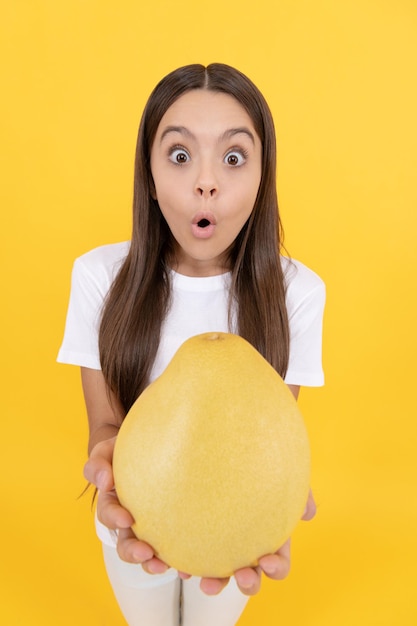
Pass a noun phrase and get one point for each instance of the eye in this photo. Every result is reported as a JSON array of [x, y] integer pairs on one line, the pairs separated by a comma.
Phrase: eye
[[179, 155], [235, 158]]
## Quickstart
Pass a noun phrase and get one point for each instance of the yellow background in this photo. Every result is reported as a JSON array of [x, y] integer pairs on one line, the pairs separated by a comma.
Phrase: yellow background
[[340, 77]]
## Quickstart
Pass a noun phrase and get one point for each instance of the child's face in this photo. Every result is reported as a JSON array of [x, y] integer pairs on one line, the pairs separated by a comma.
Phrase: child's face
[[206, 166]]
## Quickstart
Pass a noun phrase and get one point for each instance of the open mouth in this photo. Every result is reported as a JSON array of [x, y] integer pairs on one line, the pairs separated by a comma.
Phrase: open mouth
[[204, 224]]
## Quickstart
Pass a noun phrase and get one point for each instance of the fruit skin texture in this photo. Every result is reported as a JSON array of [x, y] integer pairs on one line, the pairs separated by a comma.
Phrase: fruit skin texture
[[213, 459]]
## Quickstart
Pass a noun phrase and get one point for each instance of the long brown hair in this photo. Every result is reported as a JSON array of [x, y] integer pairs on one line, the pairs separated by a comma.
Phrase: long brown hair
[[140, 295]]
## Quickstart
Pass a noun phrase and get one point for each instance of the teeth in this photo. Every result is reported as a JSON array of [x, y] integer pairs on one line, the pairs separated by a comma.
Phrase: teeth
[[203, 223]]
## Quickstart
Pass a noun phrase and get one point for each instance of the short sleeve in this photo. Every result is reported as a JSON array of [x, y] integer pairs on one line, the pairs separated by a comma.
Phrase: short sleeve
[[92, 276], [306, 296]]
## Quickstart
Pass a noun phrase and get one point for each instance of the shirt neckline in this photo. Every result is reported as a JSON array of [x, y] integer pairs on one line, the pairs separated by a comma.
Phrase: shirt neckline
[[200, 283]]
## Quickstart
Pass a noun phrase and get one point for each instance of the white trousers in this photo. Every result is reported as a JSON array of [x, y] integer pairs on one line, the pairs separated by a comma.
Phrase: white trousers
[[166, 600]]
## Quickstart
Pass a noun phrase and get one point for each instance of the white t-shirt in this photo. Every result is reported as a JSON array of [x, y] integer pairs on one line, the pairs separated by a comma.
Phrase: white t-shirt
[[198, 305]]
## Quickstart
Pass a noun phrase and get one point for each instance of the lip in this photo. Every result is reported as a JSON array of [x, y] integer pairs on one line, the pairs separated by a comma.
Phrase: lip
[[199, 226]]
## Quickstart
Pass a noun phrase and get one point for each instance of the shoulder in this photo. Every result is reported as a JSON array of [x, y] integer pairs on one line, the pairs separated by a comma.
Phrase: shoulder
[[102, 262], [104, 256], [299, 277], [301, 282]]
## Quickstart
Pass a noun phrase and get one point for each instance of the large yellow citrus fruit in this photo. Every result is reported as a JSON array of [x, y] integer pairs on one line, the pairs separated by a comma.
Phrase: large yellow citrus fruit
[[213, 459]]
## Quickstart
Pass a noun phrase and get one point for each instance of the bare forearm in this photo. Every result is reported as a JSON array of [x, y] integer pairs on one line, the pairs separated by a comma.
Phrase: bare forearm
[[101, 433], [105, 413]]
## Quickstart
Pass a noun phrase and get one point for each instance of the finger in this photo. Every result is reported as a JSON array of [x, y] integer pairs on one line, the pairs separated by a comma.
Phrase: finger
[[310, 509], [98, 469], [155, 566], [111, 513], [184, 576], [277, 566], [248, 580], [213, 586], [131, 549]]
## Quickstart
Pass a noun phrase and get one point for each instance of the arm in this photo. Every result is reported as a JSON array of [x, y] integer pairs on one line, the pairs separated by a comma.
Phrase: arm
[[295, 390], [105, 416], [105, 413]]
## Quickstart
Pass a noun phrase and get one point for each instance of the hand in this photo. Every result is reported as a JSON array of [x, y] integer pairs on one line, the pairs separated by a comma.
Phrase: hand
[[98, 471], [275, 566]]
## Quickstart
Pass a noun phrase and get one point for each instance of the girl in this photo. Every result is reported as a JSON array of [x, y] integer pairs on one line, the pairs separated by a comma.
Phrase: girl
[[205, 255]]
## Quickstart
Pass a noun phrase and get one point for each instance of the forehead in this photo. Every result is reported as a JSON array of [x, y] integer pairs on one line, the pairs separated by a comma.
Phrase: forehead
[[201, 110]]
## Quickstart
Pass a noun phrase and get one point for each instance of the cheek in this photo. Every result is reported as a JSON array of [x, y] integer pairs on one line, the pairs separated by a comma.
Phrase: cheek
[[169, 189], [161, 186], [248, 197]]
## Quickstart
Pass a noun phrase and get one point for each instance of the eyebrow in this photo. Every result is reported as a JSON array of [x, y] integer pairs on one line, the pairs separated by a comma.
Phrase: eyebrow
[[231, 132]]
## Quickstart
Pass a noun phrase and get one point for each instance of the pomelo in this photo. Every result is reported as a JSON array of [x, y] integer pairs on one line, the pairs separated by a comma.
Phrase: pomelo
[[213, 459]]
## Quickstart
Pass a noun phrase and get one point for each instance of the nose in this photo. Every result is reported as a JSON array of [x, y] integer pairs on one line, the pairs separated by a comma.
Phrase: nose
[[206, 192], [206, 184]]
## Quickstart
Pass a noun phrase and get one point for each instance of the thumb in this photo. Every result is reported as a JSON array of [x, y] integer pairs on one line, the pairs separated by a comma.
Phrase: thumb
[[98, 469]]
